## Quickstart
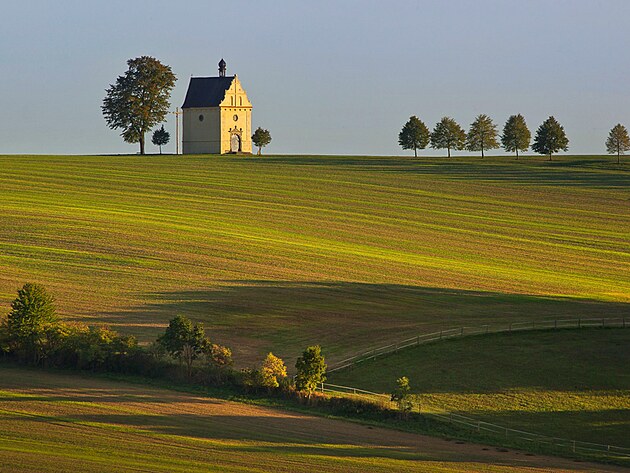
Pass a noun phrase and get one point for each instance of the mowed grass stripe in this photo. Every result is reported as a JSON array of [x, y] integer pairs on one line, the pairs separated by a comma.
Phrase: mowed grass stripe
[[145, 230], [59, 422]]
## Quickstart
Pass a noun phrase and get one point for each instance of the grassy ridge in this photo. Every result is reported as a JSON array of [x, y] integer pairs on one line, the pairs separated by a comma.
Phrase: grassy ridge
[[53, 422], [279, 252], [567, 383]]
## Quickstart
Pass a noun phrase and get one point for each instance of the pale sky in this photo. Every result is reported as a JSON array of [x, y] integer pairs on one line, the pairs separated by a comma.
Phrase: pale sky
[[325, 77]]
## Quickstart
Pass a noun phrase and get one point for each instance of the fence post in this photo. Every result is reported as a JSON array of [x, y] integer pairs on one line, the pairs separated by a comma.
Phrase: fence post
[[573, 446]]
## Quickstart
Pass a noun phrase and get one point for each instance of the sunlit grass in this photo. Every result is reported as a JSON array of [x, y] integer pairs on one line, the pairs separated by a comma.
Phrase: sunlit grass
[[276, 253], [566, 383], [56, 422]]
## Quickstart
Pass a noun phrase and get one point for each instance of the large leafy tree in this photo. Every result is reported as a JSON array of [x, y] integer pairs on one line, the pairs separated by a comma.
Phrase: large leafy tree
[[482, 135], [414, 135], [160, 137], [550, 138], [447, 134], [516, 136], [272, 372], [618, 141], [261, 138], [139, 99], [184, 341], [31, 319], [311, 370]]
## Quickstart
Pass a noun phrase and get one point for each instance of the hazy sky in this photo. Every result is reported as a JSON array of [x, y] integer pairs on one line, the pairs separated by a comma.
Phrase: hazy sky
[[333, 77]]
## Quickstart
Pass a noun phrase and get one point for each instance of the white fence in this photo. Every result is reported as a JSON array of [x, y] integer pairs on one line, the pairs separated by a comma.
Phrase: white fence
[[563, 444], [476, 425], [483, 329]]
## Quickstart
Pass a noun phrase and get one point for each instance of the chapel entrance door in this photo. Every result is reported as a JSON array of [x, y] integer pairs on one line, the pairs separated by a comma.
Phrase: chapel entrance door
[[235, 143]]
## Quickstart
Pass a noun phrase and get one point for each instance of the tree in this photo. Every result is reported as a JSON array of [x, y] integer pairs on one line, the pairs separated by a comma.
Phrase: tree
[[482, 135], [516, 136], [139, 99], [311, 370], [414, 135], [160, 137], [618, 141], [184, 341], [448, 134], [272, 372], [550, 138], [261, 138], [402, 396], [31, 317]]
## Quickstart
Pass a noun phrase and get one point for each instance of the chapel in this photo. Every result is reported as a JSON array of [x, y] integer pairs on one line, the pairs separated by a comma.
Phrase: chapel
[[217, 115]]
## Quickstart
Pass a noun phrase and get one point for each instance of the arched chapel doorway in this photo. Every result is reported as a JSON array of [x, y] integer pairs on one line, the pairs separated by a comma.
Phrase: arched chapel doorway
[[235, 143]]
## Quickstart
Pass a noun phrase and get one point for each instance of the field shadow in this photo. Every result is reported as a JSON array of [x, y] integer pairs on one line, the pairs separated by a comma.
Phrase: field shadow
[[574, 171], [605, 426], [254, 317]]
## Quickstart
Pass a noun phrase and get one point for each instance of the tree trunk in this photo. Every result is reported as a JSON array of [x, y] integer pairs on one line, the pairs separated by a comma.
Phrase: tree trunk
[[549, 156], [142, 143], [160, 149], [482, 151], [415, 152], [517, 153], [259, 150], [449, 151]]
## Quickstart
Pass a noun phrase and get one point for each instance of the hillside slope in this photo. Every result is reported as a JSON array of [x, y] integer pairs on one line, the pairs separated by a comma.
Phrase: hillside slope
[[276, 253]]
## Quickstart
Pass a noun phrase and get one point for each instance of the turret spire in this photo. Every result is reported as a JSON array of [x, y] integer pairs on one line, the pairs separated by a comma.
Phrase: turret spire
[[222, 68]]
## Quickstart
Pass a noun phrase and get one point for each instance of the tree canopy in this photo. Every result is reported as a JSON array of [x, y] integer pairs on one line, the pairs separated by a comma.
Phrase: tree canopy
[[139, 99], [618, 141], [414, 135], [447, 134], [402, 395], [273, 371], [550, 138], [482, 135], [261, 138], [311, 370], [516, 136], [184, 341], [31, 317], [160, 137]]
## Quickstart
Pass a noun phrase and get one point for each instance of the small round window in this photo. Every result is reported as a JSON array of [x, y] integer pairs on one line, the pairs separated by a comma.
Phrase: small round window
[[235, 118], [200, 118]]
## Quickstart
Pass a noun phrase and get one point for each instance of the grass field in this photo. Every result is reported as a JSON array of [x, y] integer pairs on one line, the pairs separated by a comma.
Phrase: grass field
[[276, 253], [567, 383], [55, 422]]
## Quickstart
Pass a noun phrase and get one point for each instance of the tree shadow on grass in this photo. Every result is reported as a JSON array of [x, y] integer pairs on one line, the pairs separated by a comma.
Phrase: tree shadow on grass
[[573, 171], [255, 317]]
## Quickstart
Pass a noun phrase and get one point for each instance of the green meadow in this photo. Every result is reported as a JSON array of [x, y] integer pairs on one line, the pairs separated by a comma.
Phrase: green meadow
[[569, 383], [59, 422], [279, 252]]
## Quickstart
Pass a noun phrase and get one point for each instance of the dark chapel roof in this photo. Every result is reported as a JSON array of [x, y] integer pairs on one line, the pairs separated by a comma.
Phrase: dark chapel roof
[[206, 91]]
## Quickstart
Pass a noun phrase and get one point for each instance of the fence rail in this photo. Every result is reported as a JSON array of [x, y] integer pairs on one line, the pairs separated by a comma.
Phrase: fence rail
[[479, 330], [563, 444], [567, 445]]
